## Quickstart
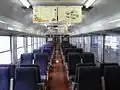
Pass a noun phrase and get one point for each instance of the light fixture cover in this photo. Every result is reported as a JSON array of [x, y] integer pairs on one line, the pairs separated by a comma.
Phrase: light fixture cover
[[25, 3], [89, 3]]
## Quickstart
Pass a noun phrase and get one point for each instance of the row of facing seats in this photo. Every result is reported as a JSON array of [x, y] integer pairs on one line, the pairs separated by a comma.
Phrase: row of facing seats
[[24, 78], [89, 77], [75, 58], [38, 58], [71, 50]]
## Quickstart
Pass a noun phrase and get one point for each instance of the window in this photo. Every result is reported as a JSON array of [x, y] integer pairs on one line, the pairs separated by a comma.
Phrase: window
[[19, 42], [111, 41], [35, 40], [19, 52], [38, 42], [94, 47], [110, 51], [4, 43], [5, 55], [29, 40], [49, 39], [5, 58], [20, 47], [35, 43], [29, 49], [29, 45]]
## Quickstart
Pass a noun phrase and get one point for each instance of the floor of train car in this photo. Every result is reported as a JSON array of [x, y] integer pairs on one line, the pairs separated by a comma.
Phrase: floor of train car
[[58, 76]]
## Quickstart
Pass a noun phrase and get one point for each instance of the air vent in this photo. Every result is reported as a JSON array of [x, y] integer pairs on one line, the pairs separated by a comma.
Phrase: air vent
[[56, 0]]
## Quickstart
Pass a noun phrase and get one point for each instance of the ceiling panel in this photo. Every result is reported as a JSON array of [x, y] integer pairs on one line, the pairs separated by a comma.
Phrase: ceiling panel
[[48, 2], [101, 13]]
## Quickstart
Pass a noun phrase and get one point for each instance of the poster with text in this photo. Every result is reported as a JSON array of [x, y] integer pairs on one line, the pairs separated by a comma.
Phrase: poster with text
[[44, 14]]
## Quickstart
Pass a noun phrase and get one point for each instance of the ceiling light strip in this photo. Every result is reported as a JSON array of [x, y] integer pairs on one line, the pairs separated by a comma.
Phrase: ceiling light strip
[[114, 21], [89, 3], [25, 3]]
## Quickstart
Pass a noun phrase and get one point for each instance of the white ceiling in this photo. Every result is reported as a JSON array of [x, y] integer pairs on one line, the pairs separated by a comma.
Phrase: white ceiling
[[98, 18], [57, 2], [95, 19]]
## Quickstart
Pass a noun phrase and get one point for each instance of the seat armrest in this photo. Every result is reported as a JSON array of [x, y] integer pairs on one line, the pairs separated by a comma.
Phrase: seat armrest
[[11, 83], [74, 85], [41, 86], [49, 64], [66, 66]]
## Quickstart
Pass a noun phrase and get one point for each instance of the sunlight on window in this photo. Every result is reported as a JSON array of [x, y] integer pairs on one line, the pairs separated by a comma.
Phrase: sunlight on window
[[35, 46], [35, 40], [29, 40], [49, 39], [29, 49], [111, 41], [4, 43], [19, 42], [19, 52], [5, 58]]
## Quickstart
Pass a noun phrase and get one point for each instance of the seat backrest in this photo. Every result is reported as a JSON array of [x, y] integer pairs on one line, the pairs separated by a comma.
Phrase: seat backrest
[[72, 46], [73, 59], [25, 79], [103, 65], [36, 51], [89, 78], [48, 51], [11, 69], [81, 65], [37, 71], [79, 50], [68, 50], [112, 78], [88, 57], [4, 78], [41, 59], [27, 58]]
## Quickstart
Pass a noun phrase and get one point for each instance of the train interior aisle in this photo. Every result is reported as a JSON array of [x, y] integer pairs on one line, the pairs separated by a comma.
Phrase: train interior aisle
[[59, 65], [57, 77], [59, 44]]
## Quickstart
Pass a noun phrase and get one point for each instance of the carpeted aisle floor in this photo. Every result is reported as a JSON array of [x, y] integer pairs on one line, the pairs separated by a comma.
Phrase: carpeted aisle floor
[[57, 75]]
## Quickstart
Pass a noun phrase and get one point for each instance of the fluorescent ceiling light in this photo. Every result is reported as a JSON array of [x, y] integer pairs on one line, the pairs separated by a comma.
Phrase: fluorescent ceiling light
[[2, 21], [16, 25], [89, 3], [25, 3], [114, 21], [69, 25], [45, 24], [10, 28], [18, 29]]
